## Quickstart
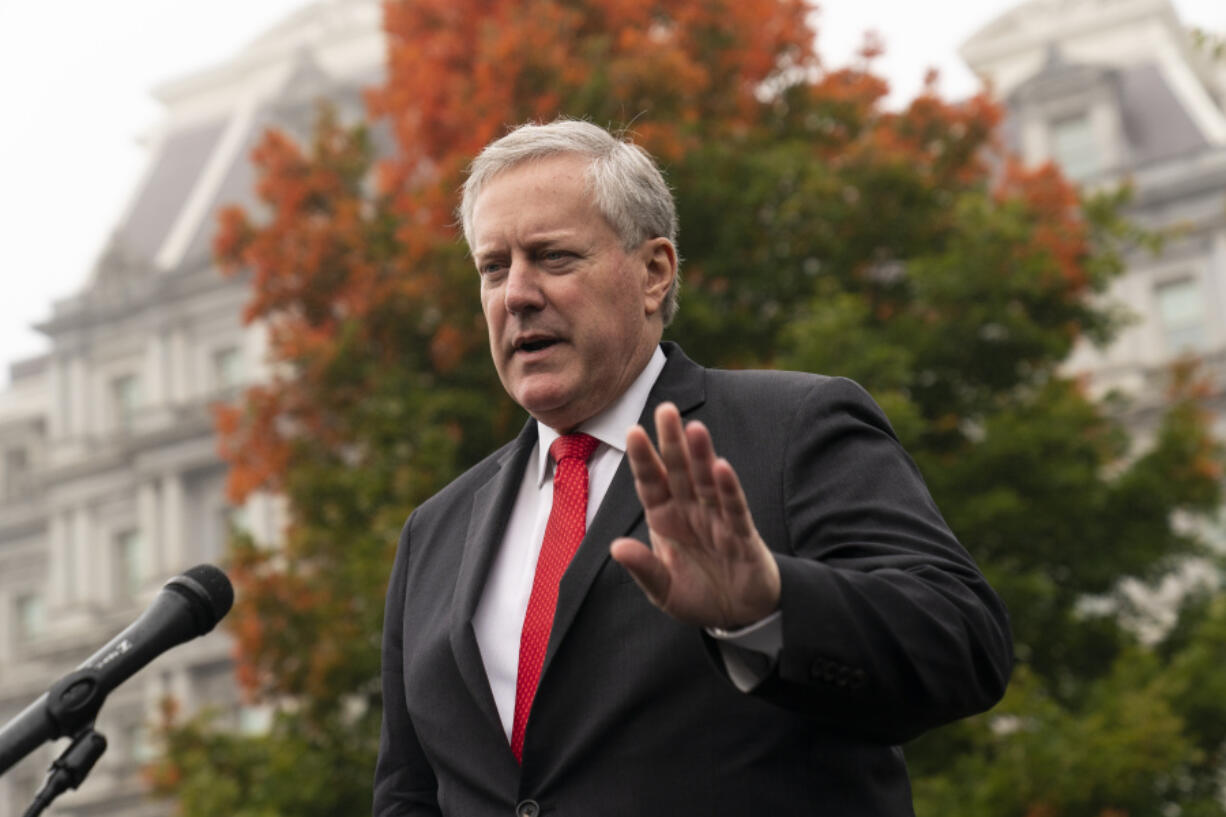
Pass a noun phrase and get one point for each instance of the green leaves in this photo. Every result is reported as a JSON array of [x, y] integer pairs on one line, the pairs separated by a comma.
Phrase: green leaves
[[820, 232]]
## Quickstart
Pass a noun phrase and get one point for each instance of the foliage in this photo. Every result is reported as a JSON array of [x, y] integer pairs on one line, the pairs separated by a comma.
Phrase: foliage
[[821, 232]]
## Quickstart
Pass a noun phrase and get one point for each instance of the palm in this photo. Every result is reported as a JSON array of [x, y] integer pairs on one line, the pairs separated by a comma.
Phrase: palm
[[708, 565]]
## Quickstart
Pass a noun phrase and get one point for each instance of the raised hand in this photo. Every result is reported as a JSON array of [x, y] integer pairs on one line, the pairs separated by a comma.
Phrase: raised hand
[[707, 564]]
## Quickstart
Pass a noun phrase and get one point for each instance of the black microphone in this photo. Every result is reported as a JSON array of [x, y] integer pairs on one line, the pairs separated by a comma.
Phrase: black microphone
[[187, 606]]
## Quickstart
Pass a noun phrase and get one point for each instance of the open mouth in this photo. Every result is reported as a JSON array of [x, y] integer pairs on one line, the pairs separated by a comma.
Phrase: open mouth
[[535, 345]]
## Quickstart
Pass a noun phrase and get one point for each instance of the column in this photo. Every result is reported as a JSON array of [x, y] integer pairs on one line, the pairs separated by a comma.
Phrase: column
[[173, 546], [57, 421], [93, 557], [147, 561], [63, 579], [155, 370], [178, 365], [8, 633], [82, 418]]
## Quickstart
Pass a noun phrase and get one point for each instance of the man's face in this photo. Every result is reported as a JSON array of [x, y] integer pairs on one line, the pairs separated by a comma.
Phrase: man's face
[[573, 317]]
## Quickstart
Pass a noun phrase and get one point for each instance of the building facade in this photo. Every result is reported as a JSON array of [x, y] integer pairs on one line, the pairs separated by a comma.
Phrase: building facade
[[111, 481], [1115, 92], [109, 477], [1121, 92]]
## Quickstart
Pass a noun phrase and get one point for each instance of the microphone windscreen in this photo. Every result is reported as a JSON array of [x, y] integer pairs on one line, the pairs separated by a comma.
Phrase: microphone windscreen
[[215, 587]]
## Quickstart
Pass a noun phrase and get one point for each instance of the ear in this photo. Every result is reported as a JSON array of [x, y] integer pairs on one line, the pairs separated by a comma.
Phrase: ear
[[659, 258]]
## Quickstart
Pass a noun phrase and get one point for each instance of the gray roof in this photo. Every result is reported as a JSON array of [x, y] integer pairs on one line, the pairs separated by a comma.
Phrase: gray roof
[[238, 185], [1156, 123], [166, 188]]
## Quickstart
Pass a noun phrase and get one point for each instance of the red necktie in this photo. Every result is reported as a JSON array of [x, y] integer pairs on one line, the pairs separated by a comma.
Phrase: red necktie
[[563, 533]]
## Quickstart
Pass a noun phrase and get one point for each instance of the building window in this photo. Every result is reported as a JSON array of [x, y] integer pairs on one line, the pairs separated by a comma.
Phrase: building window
[[125, 399], [1074, 148], [227, 368], [17, 475], [1181, 309], [127, 563], [31, 617]]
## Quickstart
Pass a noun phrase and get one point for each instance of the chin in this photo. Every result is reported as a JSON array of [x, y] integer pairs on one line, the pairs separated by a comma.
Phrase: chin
[[545, 404]]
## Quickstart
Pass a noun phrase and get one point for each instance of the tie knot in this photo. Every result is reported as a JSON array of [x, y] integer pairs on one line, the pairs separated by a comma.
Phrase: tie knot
[[573, 446]]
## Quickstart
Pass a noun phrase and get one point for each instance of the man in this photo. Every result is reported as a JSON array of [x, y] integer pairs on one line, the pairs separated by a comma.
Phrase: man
[[801, 609]]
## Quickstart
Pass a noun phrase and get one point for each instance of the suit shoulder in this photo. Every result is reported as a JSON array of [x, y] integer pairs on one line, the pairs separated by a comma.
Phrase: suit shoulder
[[784, 399], [780, 384]]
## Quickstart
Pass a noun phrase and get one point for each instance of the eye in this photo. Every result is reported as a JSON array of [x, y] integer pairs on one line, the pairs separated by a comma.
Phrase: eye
[[491, 268], [556, 257]]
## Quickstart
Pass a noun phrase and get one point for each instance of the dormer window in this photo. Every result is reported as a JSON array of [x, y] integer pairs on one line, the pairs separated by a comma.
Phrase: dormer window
[[1074, 148]]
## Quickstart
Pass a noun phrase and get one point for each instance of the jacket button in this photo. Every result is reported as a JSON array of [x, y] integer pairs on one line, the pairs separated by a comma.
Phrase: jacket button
[[822, 670], [528, 808]]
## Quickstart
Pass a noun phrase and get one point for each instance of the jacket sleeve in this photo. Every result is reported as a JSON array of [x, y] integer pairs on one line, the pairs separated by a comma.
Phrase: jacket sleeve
[[889, 628], [405, 785]]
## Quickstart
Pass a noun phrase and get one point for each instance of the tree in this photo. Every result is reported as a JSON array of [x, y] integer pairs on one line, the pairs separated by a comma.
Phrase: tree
[[821, 232]]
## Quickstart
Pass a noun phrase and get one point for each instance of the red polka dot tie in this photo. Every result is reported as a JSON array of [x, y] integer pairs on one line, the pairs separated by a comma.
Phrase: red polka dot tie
[[563, 533]]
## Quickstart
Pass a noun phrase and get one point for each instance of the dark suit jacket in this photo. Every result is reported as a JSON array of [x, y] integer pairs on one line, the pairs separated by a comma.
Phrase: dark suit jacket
[[888, 629]]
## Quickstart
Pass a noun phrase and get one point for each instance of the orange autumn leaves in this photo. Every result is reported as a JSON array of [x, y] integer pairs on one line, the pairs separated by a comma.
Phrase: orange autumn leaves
[[458, 74], [356, 267]]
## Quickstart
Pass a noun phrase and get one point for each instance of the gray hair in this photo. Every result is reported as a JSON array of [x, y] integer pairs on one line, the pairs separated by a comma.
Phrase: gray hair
[[628, 187]]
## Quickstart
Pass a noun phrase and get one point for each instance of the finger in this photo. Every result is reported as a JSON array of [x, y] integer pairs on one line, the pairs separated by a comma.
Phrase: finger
[[650, 478], [675, 452], [732, 500], [648, 572], [702, 464]]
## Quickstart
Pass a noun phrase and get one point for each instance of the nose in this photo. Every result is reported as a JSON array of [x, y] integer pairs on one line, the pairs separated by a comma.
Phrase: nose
[[523, 291]]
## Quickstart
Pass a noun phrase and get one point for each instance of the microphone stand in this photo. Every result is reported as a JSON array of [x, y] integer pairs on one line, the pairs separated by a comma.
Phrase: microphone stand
[[69, 769]]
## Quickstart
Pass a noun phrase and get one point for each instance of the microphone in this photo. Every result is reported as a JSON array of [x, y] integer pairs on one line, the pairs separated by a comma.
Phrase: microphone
[[187, 606]]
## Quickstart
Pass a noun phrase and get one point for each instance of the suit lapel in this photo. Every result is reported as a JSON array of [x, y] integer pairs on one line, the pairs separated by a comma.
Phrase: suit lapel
[[681, 382], [492, 504]]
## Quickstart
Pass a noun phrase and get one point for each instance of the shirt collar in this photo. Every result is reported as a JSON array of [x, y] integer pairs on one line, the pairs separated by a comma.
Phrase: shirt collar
[[609, 426]]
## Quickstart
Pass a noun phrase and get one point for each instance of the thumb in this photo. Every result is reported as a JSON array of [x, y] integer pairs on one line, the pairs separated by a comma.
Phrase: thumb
[[648, 572]]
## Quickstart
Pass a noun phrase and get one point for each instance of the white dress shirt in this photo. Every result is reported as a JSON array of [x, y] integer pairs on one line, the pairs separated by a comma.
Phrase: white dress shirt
[[499, 619]]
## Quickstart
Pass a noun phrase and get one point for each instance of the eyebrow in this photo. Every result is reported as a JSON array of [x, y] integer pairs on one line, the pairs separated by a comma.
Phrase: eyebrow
[[533, 241]]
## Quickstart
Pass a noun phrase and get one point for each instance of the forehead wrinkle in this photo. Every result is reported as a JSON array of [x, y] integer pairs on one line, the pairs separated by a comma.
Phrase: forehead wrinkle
[[530, 238]]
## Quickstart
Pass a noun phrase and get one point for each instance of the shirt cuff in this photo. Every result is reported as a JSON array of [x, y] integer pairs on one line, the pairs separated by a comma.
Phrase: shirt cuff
[[750, 653]]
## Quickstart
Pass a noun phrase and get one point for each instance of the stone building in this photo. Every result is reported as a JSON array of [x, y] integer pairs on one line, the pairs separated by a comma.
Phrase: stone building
[[110, 479], [1121, 92], [1118, 91]]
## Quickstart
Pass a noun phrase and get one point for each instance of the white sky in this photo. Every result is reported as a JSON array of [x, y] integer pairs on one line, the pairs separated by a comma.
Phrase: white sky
[[75, 82]]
